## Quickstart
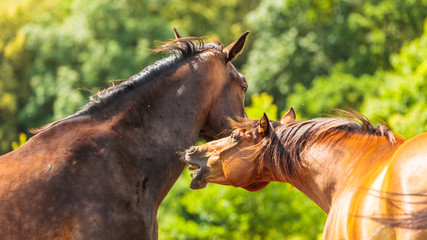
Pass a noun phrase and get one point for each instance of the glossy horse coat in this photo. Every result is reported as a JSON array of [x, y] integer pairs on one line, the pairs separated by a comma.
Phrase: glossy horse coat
[[103, 172], [370, 182]]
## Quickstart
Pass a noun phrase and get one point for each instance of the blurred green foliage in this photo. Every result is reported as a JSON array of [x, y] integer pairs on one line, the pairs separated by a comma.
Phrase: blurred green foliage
[[396, 96], [262, 103], [93, 43], [369, 55], [299, 40], [222, 212], [15, 61], [22, 140], [401, 97]]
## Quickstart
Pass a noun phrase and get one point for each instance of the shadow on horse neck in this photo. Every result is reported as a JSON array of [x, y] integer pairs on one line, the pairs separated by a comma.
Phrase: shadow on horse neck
[[102, 172]]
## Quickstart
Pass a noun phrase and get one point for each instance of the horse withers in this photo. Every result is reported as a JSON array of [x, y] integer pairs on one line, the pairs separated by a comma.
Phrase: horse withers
[[102, 172], [370, 181]]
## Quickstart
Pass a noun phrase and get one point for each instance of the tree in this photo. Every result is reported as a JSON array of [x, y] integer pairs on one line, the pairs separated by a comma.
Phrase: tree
[[396, 96], [338, 90], [15, 63], [219, 19], [401, 98], [297, 41], [84, 50]]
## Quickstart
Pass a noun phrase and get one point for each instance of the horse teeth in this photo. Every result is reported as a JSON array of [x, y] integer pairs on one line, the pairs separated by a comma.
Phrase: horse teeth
[[193, 175], [193, 167]]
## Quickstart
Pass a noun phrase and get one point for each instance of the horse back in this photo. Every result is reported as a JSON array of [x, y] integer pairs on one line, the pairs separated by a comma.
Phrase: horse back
[[405, 189], [392, 205], [409, 168]]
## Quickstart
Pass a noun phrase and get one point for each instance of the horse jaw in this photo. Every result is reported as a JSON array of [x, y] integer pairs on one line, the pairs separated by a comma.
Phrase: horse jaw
[[256, 186]]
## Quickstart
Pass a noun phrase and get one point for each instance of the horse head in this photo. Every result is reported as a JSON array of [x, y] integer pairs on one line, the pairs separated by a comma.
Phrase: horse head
[[235, 160]]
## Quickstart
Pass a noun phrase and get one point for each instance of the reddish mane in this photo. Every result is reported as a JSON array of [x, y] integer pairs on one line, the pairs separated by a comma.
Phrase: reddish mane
[[282, 149]]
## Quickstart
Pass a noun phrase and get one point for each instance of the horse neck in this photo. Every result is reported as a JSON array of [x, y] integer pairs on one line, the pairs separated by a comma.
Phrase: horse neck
[[335, 162], [161, 120], [170, 111]]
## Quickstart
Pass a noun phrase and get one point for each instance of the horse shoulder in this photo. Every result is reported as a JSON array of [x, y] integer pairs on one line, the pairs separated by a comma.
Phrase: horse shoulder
[[33, 195], [62, 182]]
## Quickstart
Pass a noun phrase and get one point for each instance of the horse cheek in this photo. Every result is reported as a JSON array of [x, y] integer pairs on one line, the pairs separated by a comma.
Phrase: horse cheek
[[238, 173]]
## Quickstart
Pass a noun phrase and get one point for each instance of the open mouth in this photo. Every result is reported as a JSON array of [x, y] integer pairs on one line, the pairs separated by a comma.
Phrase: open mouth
[[197, 181], [195, 168], [198, 167]]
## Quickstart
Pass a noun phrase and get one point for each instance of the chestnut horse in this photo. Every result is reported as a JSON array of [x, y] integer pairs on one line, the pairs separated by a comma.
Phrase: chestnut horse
[[370, 182], [102, 172]]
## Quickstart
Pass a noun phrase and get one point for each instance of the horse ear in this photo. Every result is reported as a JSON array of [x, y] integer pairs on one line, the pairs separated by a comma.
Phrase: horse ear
[[264, 125], [236, 47], [288, 117], [177, 36]]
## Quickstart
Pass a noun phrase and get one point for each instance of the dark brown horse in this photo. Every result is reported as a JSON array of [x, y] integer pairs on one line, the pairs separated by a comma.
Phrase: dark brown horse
[[370, 182], [103, 172]]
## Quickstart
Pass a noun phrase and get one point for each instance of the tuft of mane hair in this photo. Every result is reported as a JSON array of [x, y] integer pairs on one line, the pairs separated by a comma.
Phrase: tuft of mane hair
[[365, 125]]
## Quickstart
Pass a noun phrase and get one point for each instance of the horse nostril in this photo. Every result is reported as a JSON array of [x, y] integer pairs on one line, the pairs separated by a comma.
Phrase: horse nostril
[[192, 150]]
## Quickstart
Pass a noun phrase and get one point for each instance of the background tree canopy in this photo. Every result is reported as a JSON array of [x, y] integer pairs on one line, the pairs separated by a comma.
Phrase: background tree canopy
[[369, 55]]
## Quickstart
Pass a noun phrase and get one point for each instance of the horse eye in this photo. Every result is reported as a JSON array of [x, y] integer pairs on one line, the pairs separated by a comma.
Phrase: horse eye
[[245, 88], [233, 137]]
